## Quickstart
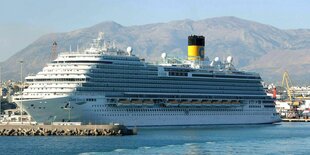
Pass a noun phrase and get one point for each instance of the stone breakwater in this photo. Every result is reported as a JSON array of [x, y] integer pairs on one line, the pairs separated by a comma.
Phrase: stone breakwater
[[63, 130]]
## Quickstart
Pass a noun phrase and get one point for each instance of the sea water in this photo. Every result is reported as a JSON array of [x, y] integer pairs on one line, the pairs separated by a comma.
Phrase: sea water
[[282, 138]]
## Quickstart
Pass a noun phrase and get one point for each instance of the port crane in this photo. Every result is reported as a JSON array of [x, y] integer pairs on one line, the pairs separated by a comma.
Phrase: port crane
[[287, 84]]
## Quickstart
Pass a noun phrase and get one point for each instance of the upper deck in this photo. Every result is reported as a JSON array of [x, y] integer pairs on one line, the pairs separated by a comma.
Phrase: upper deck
[[104, 68]]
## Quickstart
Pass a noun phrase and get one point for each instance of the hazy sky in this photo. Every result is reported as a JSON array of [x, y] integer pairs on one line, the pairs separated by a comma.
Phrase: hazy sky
[[23, 21]]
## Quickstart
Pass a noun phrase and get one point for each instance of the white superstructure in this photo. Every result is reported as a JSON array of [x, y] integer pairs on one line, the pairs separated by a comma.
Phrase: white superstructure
[[104, 84]]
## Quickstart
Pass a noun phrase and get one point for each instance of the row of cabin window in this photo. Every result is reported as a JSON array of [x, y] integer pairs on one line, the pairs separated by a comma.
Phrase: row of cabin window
[[178, 74], [91, 99], [113, 71], [148, 85], [166, 110], [62, 70], [150, 77], [177, 82], [41, 94], [254, 106], [48, 84], [171, 114], [57, 79], [46, 88], [195, 97]]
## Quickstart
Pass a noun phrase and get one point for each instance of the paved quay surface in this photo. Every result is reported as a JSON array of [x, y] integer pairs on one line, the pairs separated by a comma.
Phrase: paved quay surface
[[295, 120]]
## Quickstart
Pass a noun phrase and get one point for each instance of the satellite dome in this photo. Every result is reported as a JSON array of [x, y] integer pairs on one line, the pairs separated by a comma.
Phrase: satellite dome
[[129, 50], [164, 55], [216, 59], [229, 59]]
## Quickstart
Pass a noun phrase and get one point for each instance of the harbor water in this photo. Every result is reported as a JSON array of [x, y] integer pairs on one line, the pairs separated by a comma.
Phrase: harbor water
[[282, 138]]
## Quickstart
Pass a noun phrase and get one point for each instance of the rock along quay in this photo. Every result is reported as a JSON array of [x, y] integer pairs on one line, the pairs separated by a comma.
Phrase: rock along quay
[[65, 130]]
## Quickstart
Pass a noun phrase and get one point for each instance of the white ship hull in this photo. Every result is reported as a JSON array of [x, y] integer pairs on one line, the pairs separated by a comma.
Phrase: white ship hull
[[106, 85], [101, 112]]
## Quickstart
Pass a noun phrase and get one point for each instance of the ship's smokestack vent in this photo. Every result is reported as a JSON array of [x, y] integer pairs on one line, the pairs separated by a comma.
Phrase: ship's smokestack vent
[[196, 46]]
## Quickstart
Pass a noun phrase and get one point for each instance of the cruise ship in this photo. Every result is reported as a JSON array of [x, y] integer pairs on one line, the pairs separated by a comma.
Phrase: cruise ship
[[103, 84]]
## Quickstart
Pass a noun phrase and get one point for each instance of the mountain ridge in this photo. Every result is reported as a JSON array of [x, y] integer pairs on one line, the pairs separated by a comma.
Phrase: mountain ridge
[[254, 46]]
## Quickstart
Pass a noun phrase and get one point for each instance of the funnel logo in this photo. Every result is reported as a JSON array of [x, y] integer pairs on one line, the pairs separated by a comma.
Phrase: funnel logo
[[201, 52]]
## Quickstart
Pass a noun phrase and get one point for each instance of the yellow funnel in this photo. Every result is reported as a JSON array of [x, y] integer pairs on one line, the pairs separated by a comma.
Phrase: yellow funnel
[[195, 50]]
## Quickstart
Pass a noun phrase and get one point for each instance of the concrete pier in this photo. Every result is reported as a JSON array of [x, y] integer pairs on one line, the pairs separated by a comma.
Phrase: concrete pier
[[295, 120], [65, 130]]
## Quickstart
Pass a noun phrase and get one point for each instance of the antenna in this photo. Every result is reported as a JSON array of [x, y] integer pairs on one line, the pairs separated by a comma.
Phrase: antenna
[[0, 81], [21, 89], [0, 88], [100, 35], [113, 45], [70, 48], [54, 51]]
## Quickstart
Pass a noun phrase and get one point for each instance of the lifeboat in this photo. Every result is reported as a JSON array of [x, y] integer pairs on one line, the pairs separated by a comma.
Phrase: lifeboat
[[125, 101], [148, 101], [183, 101], [235, 102], [196, 101], [226, 102], [216, 102], [136, 101], [173, 101], [206, 101]]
